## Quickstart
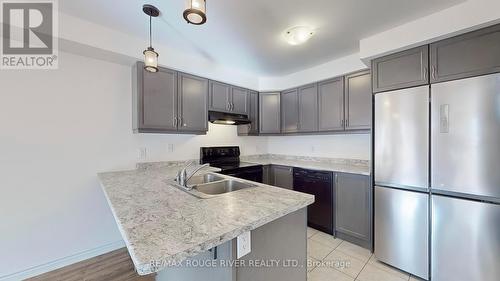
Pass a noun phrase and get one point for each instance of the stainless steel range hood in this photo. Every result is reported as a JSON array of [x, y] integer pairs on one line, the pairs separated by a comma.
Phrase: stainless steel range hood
[[224, 118]]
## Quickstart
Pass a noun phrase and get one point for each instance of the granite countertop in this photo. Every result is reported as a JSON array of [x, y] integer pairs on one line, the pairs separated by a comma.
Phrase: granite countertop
[[352, 166], [162, 224]]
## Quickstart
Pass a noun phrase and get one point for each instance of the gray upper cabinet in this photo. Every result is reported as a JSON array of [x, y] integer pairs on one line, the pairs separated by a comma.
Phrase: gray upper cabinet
[[252, 128], [308, 108], [331, 105], [353, 209], [472, 54], [219, 96], [239, 101], [169, 101], [155, 100], [401, 70], [269, 113], [193, 101], [290, 111], [358, 101], [282, 176]]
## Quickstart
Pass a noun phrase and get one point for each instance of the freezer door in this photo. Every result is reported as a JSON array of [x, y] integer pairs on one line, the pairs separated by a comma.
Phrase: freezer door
[[402, 138], [465, 240], [402, 229], [466, 136]]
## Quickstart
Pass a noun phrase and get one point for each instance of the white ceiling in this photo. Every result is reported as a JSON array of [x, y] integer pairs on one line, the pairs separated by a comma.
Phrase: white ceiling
[[247, 34]]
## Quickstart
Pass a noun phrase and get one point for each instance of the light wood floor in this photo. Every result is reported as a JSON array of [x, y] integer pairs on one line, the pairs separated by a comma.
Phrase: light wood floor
[[113, 266]]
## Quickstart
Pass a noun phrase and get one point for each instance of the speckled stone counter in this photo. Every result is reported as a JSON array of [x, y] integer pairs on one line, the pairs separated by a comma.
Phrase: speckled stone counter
[[352, 166], [163, 224]]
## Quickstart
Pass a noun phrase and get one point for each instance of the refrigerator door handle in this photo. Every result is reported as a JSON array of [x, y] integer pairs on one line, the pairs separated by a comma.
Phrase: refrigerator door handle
[[444, 118]]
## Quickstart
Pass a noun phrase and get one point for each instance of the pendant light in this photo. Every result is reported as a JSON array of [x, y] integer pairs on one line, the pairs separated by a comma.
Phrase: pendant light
[[196, 12], [150, 56]]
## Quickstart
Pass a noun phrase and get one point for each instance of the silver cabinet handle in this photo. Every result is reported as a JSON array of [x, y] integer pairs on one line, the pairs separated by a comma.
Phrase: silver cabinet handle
[[227, 106], [425, 73], [232, 106], [433, 72], [174, 121], [342, 123]]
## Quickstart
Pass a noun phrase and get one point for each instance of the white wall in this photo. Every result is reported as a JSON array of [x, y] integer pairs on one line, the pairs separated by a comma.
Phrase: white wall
[[470, 15], [327, 70], [58, 129], [334, 146]]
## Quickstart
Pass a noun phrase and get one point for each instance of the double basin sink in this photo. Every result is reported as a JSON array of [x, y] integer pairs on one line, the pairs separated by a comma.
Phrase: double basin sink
[[210, 185]]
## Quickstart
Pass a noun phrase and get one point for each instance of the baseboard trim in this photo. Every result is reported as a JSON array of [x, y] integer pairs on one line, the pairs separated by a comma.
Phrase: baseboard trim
[[62, 262]]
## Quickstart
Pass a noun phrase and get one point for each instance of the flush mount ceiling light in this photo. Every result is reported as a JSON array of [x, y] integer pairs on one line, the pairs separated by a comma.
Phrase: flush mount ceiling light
[[150, 56], [298, 35], [196, 12]]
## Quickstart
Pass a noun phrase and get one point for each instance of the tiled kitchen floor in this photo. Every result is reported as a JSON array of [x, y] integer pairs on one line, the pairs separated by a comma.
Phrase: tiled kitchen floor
[[338, 260]]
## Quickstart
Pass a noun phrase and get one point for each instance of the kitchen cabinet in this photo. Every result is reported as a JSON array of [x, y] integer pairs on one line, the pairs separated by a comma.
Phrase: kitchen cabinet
[[227, 98], [251, 129], [282, 176], [331, 105], [239, 101], [358, 101], [192, 103], [308, 108], [289, 111], [269, 113], [472, 54], [168, 101], [401, 70], [353, 209], [219, 96]]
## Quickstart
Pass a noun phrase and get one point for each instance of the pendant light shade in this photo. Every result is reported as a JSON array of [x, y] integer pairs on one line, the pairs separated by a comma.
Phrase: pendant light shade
[[196, 12], [150, 56]]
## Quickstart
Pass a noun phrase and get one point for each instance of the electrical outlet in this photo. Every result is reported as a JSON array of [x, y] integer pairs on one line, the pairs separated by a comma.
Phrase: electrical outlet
[[170, 147], [244, 244], [142, 154]]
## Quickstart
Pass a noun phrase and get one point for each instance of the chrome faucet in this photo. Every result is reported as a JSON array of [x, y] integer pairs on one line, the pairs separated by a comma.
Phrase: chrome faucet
[[183, 177]]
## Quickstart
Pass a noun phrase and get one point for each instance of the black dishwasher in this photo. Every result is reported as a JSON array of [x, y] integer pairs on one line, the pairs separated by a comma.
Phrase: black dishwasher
[[319, 184]]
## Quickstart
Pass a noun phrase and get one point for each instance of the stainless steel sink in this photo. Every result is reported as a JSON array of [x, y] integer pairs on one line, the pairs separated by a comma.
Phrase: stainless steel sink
[[211, 185], [222, 187], [203, 179]]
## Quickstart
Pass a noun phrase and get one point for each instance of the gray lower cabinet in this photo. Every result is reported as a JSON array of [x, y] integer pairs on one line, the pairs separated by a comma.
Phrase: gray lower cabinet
[[358, 101], [168, 101], [289, 111], [401, 70], [282, 176], [353, 209], [308, 108], [269, 113], [192, 102], [472, 54], [251, 129], [219, 96], [331, 105]]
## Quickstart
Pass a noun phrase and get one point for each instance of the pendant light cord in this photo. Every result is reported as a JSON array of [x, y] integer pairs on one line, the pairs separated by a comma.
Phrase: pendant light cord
[[150, 36]]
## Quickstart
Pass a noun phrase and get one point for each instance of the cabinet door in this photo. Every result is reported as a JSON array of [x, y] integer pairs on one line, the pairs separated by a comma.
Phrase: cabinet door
[[358, 101], [155, 100], [269, 117], [331, 105], [472, 54], [219, 96], [193, 101], [401, 70], [282, 176], [239, 101], [308, 108], [253, 115], [289, 111], [353, 208]]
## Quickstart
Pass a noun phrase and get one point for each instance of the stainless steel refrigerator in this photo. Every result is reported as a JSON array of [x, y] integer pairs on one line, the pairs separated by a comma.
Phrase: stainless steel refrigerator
[[439, 218], [402, 179]]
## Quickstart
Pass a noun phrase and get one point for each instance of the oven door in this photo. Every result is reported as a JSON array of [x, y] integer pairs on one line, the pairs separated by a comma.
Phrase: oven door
[[253, 173]]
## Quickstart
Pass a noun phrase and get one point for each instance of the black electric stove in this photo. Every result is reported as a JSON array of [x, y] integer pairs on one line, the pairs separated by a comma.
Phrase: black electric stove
[[227, 158]]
